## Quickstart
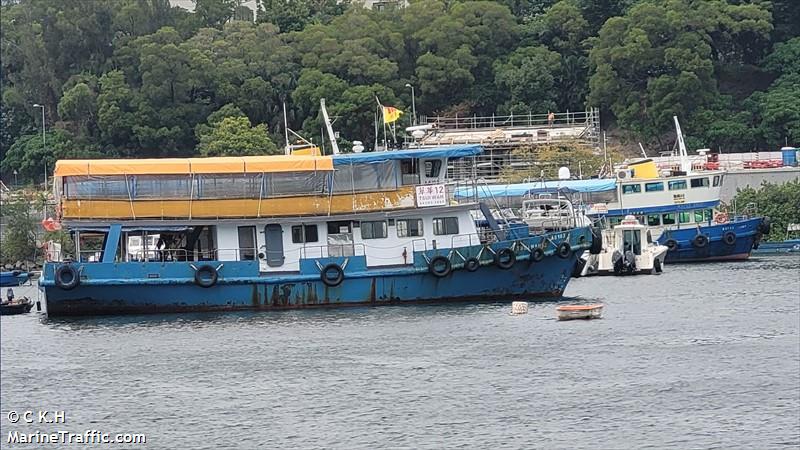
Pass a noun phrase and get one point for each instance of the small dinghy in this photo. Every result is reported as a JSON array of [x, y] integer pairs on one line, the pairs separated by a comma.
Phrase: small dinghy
[[573, 312], [13, 278], [20, 306]]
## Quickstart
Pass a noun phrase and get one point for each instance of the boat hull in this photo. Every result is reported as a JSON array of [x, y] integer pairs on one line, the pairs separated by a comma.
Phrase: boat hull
[[135, 288], [746, 232], [787, 246], [13, 279]]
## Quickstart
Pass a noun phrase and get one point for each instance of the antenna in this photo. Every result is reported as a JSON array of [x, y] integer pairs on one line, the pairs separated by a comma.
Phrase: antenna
[[644, 155], [328, 125]]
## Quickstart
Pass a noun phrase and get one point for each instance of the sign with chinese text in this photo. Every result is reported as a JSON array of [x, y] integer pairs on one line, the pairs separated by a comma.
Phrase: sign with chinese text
[[431, 195]]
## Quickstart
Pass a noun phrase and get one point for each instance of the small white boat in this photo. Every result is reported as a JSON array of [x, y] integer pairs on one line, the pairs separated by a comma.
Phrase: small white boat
[[585, 312], [628, 249]]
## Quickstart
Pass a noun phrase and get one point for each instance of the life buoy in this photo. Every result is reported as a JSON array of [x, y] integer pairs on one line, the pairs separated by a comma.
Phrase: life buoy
[[472, 264], [206, 276], [729, 238], [67, 277], [564, 250], [440, 266], [505, 258], [700, 241], [721, 218], [332, 275], [537, 254], [671, 244], [597, 241]]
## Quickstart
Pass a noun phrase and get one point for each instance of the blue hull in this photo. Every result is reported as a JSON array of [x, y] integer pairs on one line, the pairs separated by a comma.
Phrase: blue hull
[[746, 233], [9, 279], [787, 246], [131, 288]]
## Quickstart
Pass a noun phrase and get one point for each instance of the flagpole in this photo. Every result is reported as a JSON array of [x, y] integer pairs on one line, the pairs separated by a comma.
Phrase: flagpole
[[383, 114], [376, 131]]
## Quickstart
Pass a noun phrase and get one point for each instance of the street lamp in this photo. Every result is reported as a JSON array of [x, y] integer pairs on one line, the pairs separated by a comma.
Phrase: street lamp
[[44, 144], [413, 105]]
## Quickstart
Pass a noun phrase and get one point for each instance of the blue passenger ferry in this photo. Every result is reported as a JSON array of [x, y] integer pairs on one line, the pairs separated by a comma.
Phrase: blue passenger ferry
[[276, 232]]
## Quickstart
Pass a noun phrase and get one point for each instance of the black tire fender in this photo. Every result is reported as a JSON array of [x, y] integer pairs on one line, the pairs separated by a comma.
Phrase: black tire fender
[[203, 282], [505, 258], [537, 254], [472, 264], [440, 266], [67, 277], [564, 250], [325, 275], [671, 244], [729, 238], [700, 241]]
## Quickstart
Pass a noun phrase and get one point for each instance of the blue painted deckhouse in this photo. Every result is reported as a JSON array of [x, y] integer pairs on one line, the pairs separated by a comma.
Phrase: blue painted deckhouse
[[275, 232], [681, 210]]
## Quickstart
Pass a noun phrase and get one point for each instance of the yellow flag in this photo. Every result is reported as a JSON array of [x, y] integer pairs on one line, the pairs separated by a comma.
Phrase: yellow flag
[[391, 114]]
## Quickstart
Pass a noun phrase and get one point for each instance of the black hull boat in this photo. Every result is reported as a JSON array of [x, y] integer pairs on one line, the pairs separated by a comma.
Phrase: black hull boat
[[12, 308]]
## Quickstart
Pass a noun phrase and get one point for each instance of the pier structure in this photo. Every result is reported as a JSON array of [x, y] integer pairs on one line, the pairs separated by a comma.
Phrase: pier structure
[[501, 135]]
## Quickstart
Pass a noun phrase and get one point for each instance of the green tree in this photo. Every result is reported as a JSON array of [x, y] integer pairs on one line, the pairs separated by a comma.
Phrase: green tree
[[79, 105], [233, 136], [659, 59], [29, 158], [214, 13], [529, 76], [18, 242], [777, 201]]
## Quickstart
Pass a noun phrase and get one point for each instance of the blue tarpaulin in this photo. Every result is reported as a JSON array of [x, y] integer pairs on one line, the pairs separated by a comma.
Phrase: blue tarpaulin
[[455, 151], [521, 189]]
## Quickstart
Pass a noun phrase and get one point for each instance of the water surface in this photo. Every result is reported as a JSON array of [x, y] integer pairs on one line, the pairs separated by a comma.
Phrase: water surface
[[702, 356]]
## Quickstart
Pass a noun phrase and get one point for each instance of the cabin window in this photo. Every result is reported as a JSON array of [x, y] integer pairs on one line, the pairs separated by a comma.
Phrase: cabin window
[[653, 187], [281, 184], [97, 187], [614, 221], [445, 225], [304, 233], [684, 217], [432, 168], [227, 186], [632, 241], [631, 188], [374, 230], [162, 186], [698, 216], [409, 172], [653, 220], [409, 227], [379, 176], [708, 214], [247, 243], [716, 180], [699, 182], [677, 185], [668, 219]]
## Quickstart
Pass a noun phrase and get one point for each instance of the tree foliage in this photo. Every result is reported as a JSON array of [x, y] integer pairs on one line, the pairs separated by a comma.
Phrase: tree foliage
[[779, 202], [141, 78], [18, 242], [233, 136]]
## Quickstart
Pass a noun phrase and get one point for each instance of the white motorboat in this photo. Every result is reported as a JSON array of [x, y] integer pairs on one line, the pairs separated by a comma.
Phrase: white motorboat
[[628, 249]]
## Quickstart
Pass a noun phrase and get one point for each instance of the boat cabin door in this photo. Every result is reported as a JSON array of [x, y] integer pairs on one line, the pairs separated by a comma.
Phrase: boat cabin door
[[273, 238], [632, 240], [340, 239]]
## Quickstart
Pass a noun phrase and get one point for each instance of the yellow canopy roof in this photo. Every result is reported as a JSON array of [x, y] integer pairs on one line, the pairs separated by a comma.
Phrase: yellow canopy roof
[[179, 166]]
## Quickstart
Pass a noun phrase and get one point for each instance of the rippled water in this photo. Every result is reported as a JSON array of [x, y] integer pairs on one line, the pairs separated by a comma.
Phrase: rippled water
[[703, 356]]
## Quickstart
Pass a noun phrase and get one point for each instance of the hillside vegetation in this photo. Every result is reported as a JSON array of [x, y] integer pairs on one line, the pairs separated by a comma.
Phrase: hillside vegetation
[[139, 78]]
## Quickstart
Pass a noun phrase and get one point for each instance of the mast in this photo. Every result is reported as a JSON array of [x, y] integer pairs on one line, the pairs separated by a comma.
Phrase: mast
[[686, 166], [328, 126]]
